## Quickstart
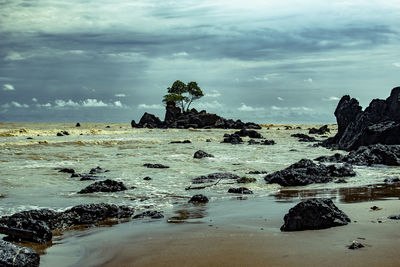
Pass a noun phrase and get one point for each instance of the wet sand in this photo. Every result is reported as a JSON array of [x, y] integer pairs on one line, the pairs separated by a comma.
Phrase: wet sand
[[245, 233]]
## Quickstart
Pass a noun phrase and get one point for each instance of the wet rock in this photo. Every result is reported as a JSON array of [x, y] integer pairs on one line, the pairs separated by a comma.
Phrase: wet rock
[[268, 142], [108, 126], [155, 166], [249, 133], [375, 208], [29, 138], [355, 245], [59, 134], [321, 131], [240, 190], [307, 172], [104, 186], [340, 181], [214, 177], [394, 217], [304, 137], [198, 199], [245, 180], [77, 124], [151, 214], [149, 121], [13, 255], [181, 142], [233, 139], [25, 229], [97, 170], [258, 172], [134, 124], [392, 180], [208, 140], [201, 154], [253, 142], [67, 170], [368, 155], [314, 214], [65, 133], [147, 178]]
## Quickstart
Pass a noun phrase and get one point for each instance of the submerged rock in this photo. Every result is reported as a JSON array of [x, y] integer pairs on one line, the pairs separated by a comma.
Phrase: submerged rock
[[240, 190], [104, 186], [249, 133], [368, 155], [214, 177], [307, 172], [201, 154], [97, 170], [67, 170], [394, 217], [356, 245], [321, 131], [392, 180], [304, 137], [258, 172], [314, 214], [156, 166], [13, 255], [181, 142], [198, 199], [151, 214], [233, 139]]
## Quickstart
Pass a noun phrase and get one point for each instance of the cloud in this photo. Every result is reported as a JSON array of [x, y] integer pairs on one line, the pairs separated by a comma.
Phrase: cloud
[[308, 80], [118, 104], [13, 56], [88, 103], [8, 87], [120, 95], [47, 105], [61, 103], [214, 93], [244, 107], [94, 103], [332, 98], [396, 64], [152, 106], [280, 98], [15, 104], [180, 54], [307, 109], [34, 99]]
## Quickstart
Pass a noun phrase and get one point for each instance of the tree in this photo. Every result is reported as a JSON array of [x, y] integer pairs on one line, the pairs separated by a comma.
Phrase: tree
[[183, 94]]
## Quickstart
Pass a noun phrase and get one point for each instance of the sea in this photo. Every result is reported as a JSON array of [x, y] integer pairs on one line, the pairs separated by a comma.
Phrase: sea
[[31, 155]]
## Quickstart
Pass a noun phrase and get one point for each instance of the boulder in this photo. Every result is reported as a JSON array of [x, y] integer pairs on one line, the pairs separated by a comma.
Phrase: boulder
[[268, 142], [213, 177], [197, 199], [67, 170], [304, 137], [13, 255], [150, 214], [25, 229], [240, 190], [314, 214], [307, 172], [77, 124], [155, 166], [149, 121], [104, 186], [201, 154], [233, 139], [249, 133], [321, 131]]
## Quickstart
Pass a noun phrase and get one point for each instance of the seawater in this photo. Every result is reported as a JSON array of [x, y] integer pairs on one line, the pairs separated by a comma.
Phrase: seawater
[[29, 179]]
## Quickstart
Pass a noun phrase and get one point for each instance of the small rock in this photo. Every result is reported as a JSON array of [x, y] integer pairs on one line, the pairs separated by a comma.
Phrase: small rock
[[375, 208], [201, 154], [59, 134], [240, 190], [356, 245], [245, 180], [67, 170], [268, 142], [77, 124], [13, 255], [151, 214], [340, 181], [104, 186], [392, 180], [258, 172], [394, 217], [181, 142], [233, 139], [147, 178], [156, 166], [198, 199]]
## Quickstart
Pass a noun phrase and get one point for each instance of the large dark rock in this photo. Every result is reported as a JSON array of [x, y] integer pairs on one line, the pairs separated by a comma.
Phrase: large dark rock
[[304, 137], [153, 214], [233, 139], [12, 255], [314, 214], [214, 177], [249, 133], [201, 154], [172, 112], [379, 123], [322, 130], [307, 172], [149, 121], [240, 190], [104, 186], [25, 229], [197, 199], [368, 155]]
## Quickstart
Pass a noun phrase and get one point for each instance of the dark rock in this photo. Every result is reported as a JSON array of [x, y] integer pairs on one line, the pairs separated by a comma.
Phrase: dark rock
[[181, 142], [234, 139], [104, 186], [147, 178], [379, 123], [304, 137], [307, 172], [392, 180], [85, 176], [394, 217], [13, 255], [208, 140], [249, 133], [268, 142], [201, 154], [77, 124], [375, 208], [214, 177], [155, 166], [356, 245], [314, 214], [149, 121], [253, 142], [340, 181], [65, 133], [97, 170], [67, 170], [25, 229], [198, 199], [59, 134], [245, 180], [29, 138], [134, 124], [322, 130], [374, 154], [240, 190], [172, 112], [258, 172], [288, 127], [151, 214], [108, 126]]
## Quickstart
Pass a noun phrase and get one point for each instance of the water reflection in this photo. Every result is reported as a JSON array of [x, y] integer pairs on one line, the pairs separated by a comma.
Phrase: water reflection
[[189, 213], [344, 195]]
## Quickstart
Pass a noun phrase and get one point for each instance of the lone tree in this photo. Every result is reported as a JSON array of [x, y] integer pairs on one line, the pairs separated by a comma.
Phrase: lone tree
[[183, 94]]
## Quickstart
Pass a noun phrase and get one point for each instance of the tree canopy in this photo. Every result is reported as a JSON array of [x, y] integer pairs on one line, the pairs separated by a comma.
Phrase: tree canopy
[[183, 94]]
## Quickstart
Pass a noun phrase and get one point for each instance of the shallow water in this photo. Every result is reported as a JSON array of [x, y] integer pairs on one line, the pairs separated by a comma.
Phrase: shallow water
[[29, 180]]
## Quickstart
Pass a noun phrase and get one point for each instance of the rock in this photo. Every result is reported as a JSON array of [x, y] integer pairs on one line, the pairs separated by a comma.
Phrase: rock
[[196, 199], [356, 245], [379, 123], [304, 137], [98, 169], [29, 138], [181, 142], [394, 217], [268, 142], [321, 131], [85, 176], [67, 170], [245, 180], [77, 124], [25, 229], [104, 186], [65, 133], [340, 181], [151, 214], [240, 190], [234, 139], [249, 133], [201, 154], [314, 214], [307, 172], [214, 177], [147, 178], [392, 180], [59, 134], [155, 166], [369, 155], [253, 142], [149, 121], [13, 255], [374, 208], [134, 124], [258, 172], [172, 112]]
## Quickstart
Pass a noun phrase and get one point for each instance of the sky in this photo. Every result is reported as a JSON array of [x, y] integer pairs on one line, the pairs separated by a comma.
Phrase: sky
[[255, 60]]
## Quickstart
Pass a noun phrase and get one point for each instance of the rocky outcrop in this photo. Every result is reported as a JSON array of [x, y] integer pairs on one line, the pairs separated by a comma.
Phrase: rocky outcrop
[[307, 172], [213, 177], [36, 225], [149, 121], [379, 123], [314, 214], [322, 130], [13, 255], [197, 199], [201, 154], [104, 186], [368, 155]]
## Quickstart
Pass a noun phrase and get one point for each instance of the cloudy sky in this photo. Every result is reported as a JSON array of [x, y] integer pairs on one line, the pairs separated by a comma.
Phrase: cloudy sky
[[258, 60]]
